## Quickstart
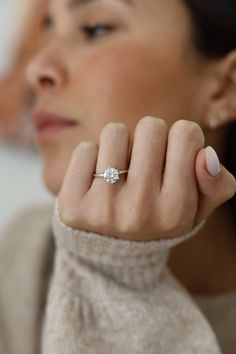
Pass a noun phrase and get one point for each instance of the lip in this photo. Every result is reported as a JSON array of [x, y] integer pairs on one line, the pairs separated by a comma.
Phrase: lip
[[49, 124]]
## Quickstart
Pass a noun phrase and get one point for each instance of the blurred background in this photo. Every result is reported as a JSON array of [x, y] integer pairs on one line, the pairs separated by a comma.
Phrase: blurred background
[[20, 171]]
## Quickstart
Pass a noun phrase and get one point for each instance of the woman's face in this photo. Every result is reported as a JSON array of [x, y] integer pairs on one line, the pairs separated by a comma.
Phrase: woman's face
[[113, 60]]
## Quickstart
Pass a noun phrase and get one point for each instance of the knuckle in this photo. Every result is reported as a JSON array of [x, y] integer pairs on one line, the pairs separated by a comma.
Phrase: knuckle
[[191, 130], [114, 129], [153, 122]]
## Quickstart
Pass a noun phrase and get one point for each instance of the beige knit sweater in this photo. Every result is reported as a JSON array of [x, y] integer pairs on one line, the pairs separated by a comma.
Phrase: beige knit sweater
[[73, 292]]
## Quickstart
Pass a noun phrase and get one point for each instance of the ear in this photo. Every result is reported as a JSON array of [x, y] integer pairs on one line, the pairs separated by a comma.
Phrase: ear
[[221, 108]]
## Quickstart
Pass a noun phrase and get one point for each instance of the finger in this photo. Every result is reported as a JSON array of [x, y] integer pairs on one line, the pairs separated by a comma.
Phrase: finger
[[148, 154], [216, 184], [113, 149], [79, 175], [179, 188]]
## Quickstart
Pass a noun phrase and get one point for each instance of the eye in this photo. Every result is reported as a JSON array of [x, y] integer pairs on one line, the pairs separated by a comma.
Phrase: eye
[[97, 30], [47, 22]]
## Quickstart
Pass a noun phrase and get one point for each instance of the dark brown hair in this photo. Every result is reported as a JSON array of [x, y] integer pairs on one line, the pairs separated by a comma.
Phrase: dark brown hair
[[214, 34]]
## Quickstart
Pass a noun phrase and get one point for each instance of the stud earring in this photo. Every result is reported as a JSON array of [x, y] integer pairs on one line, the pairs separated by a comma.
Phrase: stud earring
[[214, 122], [223, 115]]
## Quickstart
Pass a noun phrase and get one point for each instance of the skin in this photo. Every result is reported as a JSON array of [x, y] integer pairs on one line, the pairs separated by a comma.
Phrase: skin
[[121, 76]]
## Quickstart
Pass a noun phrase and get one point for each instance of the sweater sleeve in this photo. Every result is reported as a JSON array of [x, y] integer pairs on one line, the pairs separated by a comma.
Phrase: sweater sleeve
[[112, 296]]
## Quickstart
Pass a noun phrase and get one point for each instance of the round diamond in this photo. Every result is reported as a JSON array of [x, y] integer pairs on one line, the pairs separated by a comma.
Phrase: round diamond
[[111, 175]]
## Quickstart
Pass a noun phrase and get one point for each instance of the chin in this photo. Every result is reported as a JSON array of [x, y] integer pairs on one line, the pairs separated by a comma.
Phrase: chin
[[55, 161], [53, 176], [52, 183]]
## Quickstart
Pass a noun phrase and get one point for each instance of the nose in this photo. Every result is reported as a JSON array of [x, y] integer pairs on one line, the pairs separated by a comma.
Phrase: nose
[[46, 71]]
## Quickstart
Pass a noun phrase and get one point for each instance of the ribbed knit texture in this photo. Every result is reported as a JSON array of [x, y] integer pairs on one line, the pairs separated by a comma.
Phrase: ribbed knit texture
[[111, 296], [105, 296]]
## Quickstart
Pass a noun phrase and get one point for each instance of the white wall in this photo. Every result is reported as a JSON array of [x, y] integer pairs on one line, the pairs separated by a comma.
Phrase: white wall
[[20, 181], [14, 17]]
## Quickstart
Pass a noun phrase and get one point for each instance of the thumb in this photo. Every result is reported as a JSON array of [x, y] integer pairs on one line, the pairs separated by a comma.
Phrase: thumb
[[216, 184]]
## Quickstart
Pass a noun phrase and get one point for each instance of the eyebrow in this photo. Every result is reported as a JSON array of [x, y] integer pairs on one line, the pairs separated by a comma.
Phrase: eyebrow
[[79, 3]]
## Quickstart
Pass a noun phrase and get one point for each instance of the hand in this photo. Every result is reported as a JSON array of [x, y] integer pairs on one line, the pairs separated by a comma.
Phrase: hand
[[165, 193]]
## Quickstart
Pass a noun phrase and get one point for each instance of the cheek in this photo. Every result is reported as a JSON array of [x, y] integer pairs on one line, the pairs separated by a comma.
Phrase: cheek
[[133, 80]]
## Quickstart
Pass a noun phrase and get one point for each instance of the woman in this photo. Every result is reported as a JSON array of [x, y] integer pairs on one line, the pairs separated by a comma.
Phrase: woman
[[110, 290]]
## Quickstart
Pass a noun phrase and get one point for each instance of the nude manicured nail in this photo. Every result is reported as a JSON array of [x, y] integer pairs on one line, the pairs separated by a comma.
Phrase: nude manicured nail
[[212, 162]]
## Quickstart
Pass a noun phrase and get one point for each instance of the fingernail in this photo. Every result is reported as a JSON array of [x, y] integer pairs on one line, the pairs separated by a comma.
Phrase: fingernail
[[212, 162]]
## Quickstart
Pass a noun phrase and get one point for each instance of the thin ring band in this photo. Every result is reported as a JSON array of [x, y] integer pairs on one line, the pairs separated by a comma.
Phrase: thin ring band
[[110, 175], [102, 174]]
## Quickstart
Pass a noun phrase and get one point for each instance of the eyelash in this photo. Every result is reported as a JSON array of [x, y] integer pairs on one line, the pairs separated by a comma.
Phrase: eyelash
[[47, 23], [90, 30]]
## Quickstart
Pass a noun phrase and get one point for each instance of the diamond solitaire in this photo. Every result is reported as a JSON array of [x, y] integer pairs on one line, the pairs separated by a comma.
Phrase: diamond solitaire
[[111, 175]]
